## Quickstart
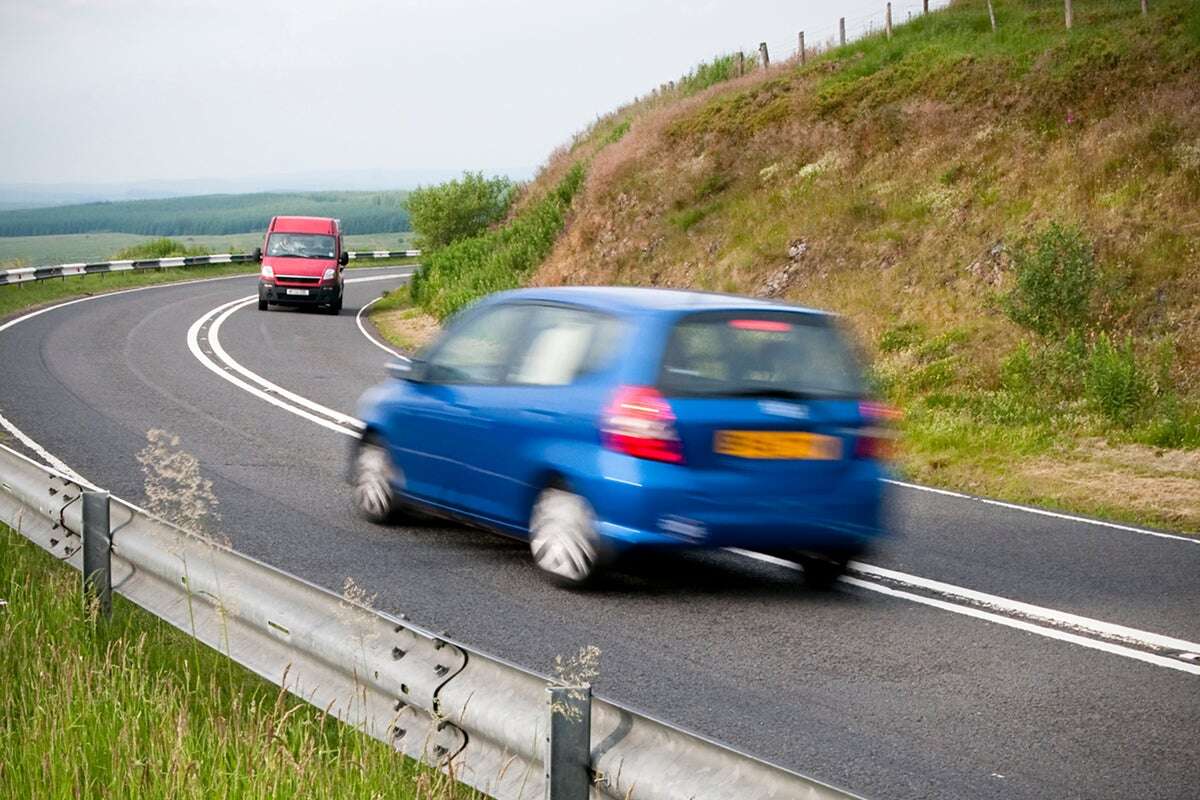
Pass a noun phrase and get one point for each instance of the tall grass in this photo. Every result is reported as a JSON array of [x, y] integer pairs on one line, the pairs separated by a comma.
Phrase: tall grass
[[130, 707], [497, 259], [160, 248]]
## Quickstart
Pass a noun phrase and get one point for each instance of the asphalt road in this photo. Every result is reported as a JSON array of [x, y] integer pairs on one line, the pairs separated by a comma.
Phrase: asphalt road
[[878, 693]]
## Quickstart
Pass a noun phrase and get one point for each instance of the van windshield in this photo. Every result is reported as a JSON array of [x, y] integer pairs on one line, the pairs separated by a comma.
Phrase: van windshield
[[301, 245], [759, 354]]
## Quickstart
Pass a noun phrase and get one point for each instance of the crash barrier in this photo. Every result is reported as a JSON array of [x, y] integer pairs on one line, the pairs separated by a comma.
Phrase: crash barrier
[[508, 732], [26, 274]]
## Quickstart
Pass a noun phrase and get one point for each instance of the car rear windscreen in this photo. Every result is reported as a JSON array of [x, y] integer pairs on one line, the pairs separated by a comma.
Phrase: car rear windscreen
[[759, 354]]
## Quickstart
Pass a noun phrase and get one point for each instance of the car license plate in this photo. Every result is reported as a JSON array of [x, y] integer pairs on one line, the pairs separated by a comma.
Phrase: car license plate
[[298, 291], [795, 445]]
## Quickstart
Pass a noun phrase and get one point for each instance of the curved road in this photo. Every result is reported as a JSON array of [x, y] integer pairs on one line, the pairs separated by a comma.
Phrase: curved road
[[894, 686]]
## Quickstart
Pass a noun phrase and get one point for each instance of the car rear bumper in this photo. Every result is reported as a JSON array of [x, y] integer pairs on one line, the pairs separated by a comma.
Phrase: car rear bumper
[[317, 295], [663, 505]]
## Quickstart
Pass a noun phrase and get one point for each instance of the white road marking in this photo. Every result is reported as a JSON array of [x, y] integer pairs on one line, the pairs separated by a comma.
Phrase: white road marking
[[363, 330], [1046, 513], [1098, 627]]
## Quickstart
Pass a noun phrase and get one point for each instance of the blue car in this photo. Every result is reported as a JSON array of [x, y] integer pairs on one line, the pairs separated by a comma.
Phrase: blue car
[[596, 421]]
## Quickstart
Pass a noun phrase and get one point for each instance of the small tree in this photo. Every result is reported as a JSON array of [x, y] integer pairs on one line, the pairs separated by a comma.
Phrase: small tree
[[457, 209], [1055, 278]]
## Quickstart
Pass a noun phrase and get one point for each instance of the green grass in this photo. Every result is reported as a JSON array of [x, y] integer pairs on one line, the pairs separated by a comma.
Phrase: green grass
[[130, 707], [83, 247]]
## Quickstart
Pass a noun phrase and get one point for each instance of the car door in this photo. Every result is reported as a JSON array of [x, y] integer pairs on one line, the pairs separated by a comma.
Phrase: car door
[[532, 417], [436, 431]]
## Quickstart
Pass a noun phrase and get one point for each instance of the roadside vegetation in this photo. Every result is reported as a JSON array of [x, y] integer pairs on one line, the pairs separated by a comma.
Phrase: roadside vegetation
[[130, 707], [1008, 220]]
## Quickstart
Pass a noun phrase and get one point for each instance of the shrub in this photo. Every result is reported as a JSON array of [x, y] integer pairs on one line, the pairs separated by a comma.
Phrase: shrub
[[1114, 383], [496, 259], [1055, 277], [457, 209], [707, 74], [159, 248]]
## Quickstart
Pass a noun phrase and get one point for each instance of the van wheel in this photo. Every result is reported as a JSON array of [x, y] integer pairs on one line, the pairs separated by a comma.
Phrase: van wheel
[[335, 307], [562, 537], [374, 477], [262, 304]]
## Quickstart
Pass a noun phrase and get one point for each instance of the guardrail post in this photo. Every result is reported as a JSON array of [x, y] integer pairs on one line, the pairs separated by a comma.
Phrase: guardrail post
[[97, 550], [568, 742]]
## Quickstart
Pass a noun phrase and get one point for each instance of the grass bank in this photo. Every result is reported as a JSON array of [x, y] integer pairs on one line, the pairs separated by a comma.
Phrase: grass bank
[[131, 707]]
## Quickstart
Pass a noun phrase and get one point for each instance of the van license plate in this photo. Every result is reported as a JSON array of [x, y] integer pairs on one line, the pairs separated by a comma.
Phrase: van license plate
[[298, 291], [792, 445]]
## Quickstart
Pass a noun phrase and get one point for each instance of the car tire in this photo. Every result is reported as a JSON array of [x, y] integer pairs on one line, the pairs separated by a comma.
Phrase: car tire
[[562, 537], [822, 570], [374, 479]]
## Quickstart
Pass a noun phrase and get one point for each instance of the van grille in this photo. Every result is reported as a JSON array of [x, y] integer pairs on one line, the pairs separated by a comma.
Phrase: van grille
[[305, 279]]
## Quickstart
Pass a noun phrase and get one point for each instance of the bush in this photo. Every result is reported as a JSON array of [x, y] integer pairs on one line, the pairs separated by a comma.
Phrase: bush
[[1055, 278], [1114, 383], [159, 248], [496, 259], [457, 209], [707, 74]]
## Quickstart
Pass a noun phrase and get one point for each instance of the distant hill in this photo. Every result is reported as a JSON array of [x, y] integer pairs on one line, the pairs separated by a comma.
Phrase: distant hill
[[360, 212]]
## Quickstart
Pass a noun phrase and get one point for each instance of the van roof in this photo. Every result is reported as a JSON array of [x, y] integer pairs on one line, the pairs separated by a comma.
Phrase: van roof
[[305, 225]]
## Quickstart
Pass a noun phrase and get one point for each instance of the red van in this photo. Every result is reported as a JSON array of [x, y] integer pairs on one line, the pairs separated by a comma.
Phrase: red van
[[302, 262]]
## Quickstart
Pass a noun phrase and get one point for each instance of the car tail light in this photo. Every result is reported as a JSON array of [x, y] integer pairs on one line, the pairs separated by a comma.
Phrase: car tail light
[[877, 442], [639, 422]]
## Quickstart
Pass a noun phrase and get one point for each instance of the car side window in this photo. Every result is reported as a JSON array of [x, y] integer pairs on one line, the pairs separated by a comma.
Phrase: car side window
[[562, 345], [479, 350]]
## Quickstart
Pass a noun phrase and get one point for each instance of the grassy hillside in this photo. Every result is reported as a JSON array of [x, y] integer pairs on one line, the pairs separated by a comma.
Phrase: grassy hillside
[[1010, 221], [361, 212]]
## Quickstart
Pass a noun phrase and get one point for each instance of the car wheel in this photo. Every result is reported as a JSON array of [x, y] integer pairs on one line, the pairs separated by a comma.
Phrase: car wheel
[[562, 537], [821, 570], [374, 473]]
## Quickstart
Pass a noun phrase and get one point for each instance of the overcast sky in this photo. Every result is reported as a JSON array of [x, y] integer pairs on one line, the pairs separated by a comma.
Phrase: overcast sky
[[130, 90]]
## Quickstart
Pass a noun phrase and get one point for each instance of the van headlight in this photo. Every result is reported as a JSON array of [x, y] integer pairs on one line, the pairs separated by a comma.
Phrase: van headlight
[[329, 273], [267, 272]]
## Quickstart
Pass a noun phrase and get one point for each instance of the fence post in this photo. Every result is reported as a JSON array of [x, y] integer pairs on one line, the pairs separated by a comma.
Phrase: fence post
[[762, 54], [992, 15], [925, 10], [842, 30], [741, 59], [1145, 10], [97, 550], [1069, 13], [803, 55], [568, 758]]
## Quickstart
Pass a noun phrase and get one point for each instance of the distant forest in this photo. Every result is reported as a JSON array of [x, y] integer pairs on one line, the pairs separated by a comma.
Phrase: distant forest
[[360, 212]]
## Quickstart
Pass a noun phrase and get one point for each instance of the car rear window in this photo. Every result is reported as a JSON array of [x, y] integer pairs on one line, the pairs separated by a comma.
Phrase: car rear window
[[759, 354]]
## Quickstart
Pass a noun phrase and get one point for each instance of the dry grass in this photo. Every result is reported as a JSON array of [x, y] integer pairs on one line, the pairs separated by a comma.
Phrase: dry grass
[[409, 329]]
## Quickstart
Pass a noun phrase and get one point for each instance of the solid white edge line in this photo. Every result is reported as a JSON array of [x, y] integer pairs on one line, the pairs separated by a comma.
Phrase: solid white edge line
[[999, 619], [363, 330], [1043, 512]]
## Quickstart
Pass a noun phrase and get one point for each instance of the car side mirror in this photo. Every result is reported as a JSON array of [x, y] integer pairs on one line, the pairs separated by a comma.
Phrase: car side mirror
[[401, 370], [344, 258], [257, 253]]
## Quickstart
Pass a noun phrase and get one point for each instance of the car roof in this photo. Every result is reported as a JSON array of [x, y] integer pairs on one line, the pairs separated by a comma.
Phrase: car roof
[[645, 299], [324, 225]]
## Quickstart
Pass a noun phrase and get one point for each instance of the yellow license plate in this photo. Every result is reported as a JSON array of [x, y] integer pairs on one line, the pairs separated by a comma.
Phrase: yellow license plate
[[794, 445]]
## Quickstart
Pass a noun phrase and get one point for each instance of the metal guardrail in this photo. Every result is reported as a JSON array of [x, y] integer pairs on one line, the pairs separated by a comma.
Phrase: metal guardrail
[[26, 274], [487, 722]]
